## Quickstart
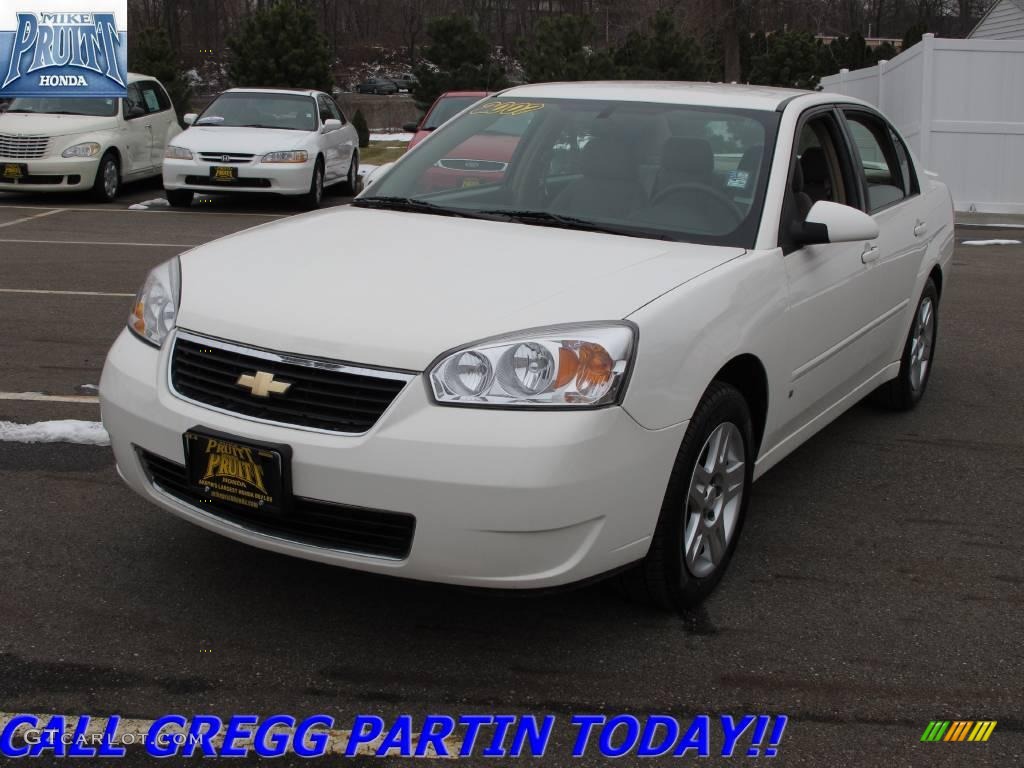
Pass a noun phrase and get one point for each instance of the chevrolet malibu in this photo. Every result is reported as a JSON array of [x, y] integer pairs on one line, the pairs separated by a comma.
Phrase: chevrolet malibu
[[580, 368]]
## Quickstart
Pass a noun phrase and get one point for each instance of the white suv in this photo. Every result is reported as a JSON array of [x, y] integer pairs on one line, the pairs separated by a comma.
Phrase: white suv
[[54, 144]]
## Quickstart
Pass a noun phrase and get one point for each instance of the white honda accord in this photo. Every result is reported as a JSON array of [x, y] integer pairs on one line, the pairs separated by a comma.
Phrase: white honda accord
[[259, 140], [579, 366]]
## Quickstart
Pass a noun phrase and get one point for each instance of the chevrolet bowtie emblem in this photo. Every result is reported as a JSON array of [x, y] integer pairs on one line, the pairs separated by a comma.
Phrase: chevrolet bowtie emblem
[[262, 384]]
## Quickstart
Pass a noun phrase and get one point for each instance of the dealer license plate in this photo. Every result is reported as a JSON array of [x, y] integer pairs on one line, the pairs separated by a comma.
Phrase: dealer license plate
[[15, 170], [238, 474], [223, 172]]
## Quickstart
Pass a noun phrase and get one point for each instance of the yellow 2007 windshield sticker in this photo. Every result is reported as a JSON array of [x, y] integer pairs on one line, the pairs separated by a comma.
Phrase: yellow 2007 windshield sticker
[[508, 108]]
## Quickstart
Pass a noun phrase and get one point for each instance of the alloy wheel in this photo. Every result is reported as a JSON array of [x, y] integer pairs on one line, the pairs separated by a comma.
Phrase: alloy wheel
[[921, 344], [714, 499]]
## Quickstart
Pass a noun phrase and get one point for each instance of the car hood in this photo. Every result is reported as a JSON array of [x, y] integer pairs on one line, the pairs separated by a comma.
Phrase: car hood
[[253, 141], [53, 125], [397, 289]]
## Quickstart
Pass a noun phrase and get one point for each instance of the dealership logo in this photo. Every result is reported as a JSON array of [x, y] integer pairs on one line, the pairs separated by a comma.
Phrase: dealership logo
[[51, 53]]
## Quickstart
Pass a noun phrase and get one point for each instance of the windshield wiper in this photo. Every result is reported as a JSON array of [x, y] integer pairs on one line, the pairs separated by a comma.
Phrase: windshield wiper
[[546, 219], [393, 203]]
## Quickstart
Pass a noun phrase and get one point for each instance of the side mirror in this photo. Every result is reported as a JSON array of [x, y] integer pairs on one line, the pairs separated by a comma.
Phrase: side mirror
[[376, 175], [828, 222], [410, 127], [331, 125], [190, 118]]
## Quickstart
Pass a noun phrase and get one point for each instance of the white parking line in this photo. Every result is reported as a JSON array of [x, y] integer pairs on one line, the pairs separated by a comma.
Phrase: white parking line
[[66, 293], [29, 218], [98, 242], [129, 210], [39, 397], [131, 734]]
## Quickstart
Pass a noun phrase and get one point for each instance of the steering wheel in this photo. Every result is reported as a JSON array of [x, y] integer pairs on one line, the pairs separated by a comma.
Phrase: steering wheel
[[706, 192]]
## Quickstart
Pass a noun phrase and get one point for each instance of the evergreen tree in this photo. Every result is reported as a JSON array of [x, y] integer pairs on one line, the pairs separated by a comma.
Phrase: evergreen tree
[[560, 50], [362, 129], [150, 53], [914, 35], [661, 53], [461, 60], [280, 47], [792, 60], [849, 52]]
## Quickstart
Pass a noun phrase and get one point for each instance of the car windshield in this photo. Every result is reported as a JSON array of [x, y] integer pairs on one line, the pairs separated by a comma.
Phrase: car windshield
[[669, 171], [92, 107], [261, 110], [447, 108]]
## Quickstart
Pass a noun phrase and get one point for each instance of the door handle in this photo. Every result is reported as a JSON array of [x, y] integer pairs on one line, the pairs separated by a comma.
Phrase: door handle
[[871, 253], [920, 228]]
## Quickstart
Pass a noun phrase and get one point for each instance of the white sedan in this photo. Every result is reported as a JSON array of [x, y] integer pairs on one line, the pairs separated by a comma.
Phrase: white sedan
[[577, 367], [262, 140]]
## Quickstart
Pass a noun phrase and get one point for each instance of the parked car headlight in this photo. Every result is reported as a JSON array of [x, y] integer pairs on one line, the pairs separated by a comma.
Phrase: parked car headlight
[[177, 153], [156, 305], [568, 366], [294, 156], [87, 149]]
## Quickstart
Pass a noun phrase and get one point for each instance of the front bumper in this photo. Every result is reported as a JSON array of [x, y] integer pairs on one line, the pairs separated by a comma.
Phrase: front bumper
[[509, 499], [268, 178], [54, 174]]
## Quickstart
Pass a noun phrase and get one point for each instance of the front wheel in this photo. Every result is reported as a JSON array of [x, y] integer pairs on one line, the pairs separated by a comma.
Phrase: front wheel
[[907, 389], [704, 507], [312, 199], [108, 179]]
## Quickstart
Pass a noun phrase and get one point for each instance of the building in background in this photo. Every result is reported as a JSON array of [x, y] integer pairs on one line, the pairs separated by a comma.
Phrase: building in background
[[1003, 21]]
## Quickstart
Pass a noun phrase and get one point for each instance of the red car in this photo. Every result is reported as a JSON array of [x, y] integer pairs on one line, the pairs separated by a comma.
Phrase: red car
[[447, 106]]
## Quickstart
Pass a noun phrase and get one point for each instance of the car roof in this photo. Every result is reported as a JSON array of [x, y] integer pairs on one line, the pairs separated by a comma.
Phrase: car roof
[[665, 92], [464, 93], [292, 91]]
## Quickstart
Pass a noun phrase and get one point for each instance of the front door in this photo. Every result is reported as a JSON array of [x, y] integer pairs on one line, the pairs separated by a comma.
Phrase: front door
[[827, 316]]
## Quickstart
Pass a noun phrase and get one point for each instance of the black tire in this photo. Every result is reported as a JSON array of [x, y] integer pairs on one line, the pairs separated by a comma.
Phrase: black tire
[[107, 185], [664, 578], [180, 198], [312, 199], [905, 391], [351, 184]]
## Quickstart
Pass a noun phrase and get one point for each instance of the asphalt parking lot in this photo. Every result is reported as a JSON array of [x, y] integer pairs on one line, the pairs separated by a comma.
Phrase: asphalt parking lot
[[878, 584]]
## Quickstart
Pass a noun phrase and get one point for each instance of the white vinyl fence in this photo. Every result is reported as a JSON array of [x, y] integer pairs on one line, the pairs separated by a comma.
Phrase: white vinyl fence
[[960, 105]]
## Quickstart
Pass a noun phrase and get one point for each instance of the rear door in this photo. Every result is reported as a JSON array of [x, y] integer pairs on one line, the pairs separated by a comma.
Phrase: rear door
[[162, 119], [892, 196]]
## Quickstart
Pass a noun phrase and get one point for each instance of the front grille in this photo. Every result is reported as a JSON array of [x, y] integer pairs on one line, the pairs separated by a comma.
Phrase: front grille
[[225, 157], [324, 394], [317, 523], [23, 147], [477, 166], [206, 181]]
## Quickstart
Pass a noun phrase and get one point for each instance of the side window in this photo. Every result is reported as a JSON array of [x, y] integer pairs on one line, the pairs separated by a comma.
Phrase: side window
[[152, 98], [910, 184], [325, 110], [879, 162], [133, 100], [820, 170], [336, 112]]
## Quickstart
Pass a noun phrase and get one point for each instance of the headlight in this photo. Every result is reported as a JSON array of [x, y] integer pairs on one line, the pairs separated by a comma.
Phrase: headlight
[[177, 153], [88, 149], [156, 306], [569, 366], [295, 156]]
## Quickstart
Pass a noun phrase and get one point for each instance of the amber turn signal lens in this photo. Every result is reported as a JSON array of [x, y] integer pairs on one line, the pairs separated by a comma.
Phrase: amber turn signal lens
[[595, 370], [137, 319], [568, 365]]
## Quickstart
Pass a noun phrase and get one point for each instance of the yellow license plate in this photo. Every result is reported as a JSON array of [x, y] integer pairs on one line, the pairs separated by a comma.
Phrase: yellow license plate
[[14, 171], [224, 173], [470, 183]]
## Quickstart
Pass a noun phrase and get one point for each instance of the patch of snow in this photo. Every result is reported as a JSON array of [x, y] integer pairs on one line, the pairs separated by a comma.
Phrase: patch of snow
[[365, 168], [159, 202], [391, 137], [66, 431], [991, 242]]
